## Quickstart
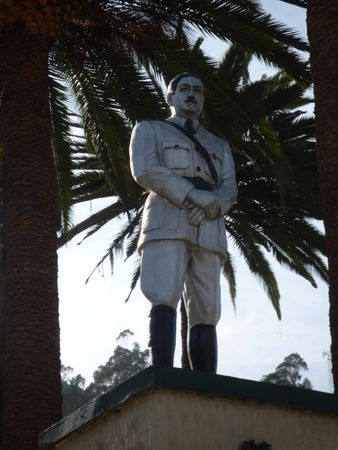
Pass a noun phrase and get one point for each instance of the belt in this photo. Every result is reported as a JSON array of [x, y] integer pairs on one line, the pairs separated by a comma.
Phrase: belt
[[201, 184]]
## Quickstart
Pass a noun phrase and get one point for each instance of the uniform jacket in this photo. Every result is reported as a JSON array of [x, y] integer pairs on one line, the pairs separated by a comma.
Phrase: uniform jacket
[[160, 157]]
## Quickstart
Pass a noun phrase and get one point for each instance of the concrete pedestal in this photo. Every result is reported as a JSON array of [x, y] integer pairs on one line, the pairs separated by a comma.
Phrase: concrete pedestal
[[174, 409]]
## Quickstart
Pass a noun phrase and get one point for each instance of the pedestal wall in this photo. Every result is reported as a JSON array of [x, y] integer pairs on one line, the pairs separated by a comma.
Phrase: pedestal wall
[[173, 409]]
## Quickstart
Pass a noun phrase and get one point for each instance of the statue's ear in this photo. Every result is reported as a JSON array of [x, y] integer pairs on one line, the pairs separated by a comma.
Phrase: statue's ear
[[169, 98]]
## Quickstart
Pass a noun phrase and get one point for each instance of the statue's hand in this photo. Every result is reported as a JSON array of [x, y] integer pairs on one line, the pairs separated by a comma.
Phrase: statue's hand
[[206, 201], [196, 215]]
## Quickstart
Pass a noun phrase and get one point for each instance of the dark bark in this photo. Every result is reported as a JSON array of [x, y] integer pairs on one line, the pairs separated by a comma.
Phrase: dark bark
[[323, 37], [32, 388], [2, 303], [2, 278]]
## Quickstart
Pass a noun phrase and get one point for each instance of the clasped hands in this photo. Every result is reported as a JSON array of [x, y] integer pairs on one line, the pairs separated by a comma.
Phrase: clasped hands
[[202, 205]]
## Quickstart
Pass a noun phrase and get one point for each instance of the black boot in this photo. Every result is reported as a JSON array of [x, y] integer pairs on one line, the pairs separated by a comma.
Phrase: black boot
[[202, 348], [162, 335]]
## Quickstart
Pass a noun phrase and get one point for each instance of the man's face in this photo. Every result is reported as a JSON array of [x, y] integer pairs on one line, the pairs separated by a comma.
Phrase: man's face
[[187, 100]]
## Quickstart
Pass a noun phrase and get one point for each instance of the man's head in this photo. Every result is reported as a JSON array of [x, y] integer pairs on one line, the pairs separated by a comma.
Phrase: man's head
[[185, 95]]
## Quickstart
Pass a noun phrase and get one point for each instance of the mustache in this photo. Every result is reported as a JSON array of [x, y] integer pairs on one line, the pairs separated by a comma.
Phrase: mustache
[[190, 100]]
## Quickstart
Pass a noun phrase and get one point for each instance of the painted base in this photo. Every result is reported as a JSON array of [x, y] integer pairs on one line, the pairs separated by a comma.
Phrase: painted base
[[172, 409]]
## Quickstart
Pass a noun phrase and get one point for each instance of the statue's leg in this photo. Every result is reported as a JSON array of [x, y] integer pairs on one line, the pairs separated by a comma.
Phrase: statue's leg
[[203, 309], [162, 340], [202, 347], [164, 264]]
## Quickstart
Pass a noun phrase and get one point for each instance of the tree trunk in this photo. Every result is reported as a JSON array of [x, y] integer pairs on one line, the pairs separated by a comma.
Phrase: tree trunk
[[323, 37], [2, 304], [2, 278], [32, 388]]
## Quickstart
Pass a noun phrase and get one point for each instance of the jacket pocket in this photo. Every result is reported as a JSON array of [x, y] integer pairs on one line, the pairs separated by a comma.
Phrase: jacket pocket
[[159, 214], [176, 155]]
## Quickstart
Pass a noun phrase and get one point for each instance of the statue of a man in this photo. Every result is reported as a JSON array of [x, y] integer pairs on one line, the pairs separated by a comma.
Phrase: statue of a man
[[191, 186]]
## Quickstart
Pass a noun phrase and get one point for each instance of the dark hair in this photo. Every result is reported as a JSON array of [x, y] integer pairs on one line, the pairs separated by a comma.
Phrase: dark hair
[[174, 82]]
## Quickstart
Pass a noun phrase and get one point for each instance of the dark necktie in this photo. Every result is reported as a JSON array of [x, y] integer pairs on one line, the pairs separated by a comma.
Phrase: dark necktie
[[189, 126]]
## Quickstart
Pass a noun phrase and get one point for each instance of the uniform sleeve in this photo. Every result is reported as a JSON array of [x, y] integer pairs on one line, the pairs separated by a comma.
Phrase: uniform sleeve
[[147, 169], [226, 193]]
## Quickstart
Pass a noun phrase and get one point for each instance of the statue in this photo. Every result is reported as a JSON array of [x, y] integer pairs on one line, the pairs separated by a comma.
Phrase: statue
[[190, 176]]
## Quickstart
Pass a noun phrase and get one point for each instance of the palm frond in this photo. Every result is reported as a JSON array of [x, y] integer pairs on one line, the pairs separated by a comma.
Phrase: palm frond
[[256, 261], [104, 127], [116, 74], [117, 245], [63, 148], [134, 279], [93, 223], [234, 67], [228, 269]]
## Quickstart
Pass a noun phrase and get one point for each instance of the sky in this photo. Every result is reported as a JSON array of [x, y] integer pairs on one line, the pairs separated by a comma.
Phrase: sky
[[252, 341]]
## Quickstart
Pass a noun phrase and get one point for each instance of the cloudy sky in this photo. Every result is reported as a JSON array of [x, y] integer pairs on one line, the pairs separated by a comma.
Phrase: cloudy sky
[[252, 341]]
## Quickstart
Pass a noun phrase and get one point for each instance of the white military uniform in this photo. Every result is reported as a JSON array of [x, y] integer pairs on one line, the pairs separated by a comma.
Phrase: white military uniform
[[174, 252]]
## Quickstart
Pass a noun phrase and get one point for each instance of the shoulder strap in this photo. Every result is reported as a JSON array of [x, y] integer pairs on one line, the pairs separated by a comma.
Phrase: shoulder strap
[[199, 148]]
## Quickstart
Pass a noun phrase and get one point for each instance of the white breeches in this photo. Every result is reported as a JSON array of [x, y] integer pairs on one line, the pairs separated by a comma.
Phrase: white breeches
[[168, 266]]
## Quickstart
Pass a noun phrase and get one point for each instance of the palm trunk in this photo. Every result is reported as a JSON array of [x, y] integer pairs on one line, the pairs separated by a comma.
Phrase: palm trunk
[[32, 388], [2, 278], [2, 305], [323, 35]]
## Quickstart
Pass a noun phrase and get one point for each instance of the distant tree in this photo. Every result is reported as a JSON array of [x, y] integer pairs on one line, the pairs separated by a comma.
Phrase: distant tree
[[123, 364], [74, 393], [288, 372]]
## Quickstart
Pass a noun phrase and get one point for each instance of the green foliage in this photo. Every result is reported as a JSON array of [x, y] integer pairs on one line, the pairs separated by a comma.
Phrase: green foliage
[[288, 373], [106, 73], [106, 67], [74, 393], [123, 364], [274, 149]]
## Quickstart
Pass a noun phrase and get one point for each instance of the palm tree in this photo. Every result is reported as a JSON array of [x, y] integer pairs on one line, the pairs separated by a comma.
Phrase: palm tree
[[78, 43], [274, 149], [322, 19]]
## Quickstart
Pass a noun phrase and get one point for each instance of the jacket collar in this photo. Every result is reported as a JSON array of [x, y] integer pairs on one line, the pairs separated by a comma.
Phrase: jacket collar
[[181, 121]]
